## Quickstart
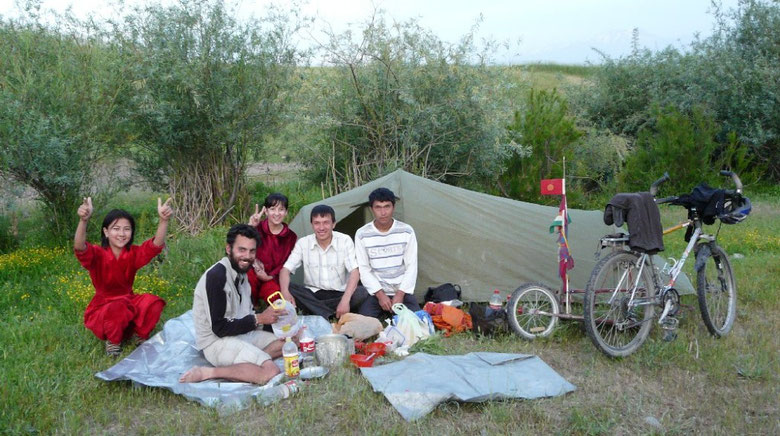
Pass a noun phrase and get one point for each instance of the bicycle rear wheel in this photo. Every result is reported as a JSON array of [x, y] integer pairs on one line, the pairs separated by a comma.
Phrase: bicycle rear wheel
[[532, 311], [613, 321], [717, 290]]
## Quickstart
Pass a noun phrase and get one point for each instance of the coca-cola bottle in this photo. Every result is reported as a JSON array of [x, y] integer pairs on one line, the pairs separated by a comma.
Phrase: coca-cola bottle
[[307, 344]]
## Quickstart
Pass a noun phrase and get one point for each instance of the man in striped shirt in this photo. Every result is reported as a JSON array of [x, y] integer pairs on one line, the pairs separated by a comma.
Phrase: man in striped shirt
[[386, 252]]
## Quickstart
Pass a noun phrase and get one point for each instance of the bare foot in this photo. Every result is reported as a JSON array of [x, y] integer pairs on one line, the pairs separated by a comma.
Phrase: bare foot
[[194, 375]]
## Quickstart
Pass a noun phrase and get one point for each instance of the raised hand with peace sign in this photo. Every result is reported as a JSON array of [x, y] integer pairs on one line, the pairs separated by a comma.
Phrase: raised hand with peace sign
[[85, 210], [165, 212], [256, 217], [84, 213]]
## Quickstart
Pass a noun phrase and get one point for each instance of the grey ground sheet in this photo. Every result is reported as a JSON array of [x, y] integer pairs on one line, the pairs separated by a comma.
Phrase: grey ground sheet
[[160, 361], [411, 385], [415, 385]]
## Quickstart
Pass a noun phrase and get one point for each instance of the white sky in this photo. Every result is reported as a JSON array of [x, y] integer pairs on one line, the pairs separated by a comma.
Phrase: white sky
[[563, 31]]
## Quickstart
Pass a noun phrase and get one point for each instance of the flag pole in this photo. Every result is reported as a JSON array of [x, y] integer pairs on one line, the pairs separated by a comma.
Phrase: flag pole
[[565, 240]]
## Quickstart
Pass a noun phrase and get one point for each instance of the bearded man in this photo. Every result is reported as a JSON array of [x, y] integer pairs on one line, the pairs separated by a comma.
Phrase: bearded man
[[227, 329]]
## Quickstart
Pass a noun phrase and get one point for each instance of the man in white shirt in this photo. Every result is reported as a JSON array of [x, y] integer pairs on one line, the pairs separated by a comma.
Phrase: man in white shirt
[[386, 251], [330, 273]]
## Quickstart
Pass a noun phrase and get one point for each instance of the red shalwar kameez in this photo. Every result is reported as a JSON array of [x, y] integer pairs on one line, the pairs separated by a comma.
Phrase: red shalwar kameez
[[115, 312]]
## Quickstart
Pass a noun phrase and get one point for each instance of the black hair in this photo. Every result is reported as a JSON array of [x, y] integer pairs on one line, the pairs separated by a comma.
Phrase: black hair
[[274, 199], [323, 210], [110, 218], [381, 194], [244, 230]]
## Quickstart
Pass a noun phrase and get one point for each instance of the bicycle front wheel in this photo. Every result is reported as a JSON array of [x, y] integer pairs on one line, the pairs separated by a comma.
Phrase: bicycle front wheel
[[717, 290], [532, 311], [618, 304]]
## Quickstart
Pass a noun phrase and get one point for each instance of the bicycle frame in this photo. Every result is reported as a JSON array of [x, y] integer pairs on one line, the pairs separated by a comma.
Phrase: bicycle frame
[[673, 271]]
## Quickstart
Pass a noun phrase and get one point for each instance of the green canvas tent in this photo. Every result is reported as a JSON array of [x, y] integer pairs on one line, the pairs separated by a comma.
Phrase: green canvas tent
[[476, 240]]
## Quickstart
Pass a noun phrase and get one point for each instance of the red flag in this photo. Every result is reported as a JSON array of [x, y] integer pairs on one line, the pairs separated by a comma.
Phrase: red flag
[[553, 187], [565, 260]]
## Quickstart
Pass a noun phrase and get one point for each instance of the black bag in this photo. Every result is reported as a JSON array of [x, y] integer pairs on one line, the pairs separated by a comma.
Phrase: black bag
[[445, 292], [489, 324]]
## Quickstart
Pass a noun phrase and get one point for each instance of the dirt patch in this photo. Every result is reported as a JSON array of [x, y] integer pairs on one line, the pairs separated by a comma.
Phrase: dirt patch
[[15, 196], [264, 168]]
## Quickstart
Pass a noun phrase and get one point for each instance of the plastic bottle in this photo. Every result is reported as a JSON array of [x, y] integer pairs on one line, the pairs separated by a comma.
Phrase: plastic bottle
[[279, 392], [495, 300], [495, 304], [286, 325], [291, 359], [307, 349]]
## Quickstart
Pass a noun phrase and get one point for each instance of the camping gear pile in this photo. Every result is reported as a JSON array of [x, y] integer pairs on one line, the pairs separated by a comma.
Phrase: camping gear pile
[[447, 318]]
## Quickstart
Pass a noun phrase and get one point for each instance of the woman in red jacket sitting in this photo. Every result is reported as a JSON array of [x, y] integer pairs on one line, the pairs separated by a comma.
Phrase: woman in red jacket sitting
[[116, 313], [277, 244]]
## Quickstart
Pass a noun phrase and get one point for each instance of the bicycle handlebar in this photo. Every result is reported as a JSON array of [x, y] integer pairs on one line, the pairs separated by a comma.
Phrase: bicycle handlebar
[[735, 178], [654, 186]]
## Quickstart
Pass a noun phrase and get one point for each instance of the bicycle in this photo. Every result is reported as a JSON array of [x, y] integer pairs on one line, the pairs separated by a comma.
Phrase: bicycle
[[625, 287]]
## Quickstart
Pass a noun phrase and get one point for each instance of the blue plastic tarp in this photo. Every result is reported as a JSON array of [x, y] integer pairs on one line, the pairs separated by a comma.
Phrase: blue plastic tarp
[[160, 361], [415, 385]]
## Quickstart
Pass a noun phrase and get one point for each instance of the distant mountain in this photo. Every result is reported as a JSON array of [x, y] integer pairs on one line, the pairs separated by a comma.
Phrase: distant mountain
[[616, 43]]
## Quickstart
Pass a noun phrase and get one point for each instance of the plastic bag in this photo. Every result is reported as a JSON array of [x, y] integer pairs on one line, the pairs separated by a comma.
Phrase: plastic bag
[[426, 318], [412, 327], [392, 337]]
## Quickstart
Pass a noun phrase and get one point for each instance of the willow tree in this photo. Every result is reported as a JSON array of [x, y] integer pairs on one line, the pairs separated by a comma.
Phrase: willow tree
[[206, 89], [58, 93], [400, 97]]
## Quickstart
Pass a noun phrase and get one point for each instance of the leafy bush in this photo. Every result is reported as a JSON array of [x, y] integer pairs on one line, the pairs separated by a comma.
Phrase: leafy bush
[[402, 98], [734, 74], [597, 159], [206, 89], [57, 109], [541, 135], [684, 146]]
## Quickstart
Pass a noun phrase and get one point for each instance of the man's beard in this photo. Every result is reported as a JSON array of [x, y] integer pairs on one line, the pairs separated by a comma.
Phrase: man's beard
[[234, 264]]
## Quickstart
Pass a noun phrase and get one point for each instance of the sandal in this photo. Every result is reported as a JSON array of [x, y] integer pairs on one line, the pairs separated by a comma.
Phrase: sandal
[[137, 340], [113, 349]]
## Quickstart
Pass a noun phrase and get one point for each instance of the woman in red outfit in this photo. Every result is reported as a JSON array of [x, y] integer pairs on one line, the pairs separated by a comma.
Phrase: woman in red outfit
[[277, 244], [115, 312]]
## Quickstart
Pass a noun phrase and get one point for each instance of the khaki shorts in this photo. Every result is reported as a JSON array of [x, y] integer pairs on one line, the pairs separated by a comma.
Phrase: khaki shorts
[[246, 348]]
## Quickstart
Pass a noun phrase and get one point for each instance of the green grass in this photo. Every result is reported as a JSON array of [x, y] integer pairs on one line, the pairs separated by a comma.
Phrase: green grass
[[549, 76], [583, 71], [695, 384]]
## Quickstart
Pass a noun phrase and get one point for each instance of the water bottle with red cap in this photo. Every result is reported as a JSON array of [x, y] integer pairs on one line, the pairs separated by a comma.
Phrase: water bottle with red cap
[[495, 304], [307, 349]]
